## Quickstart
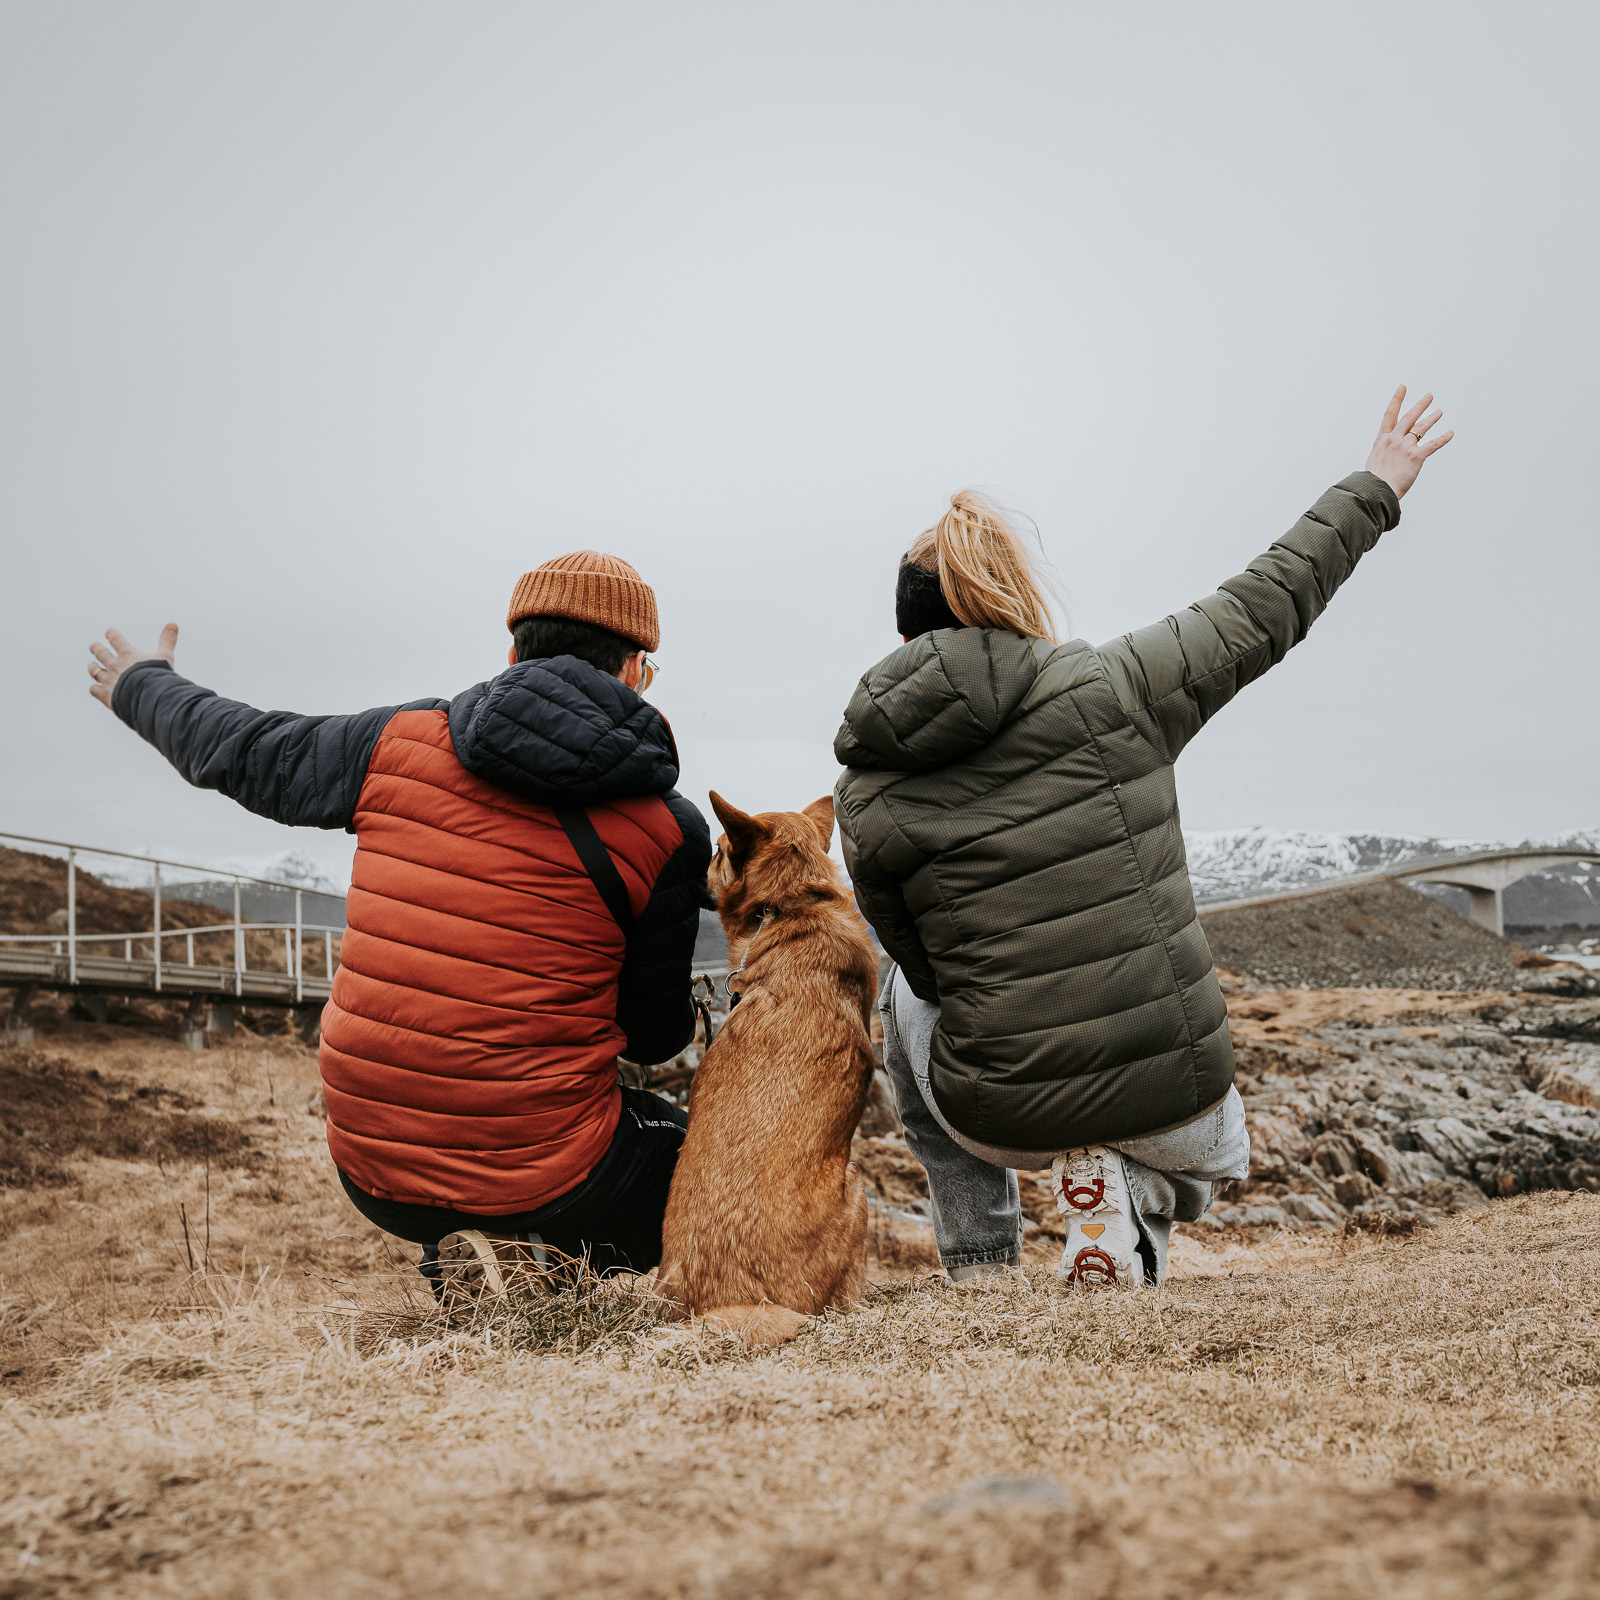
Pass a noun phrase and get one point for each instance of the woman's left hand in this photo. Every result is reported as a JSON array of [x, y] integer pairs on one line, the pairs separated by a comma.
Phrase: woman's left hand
[[1399, 450]]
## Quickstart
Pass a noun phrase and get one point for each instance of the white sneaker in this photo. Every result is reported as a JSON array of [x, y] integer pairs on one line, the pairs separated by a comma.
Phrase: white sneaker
[[1092, 1193], [985, 1274]]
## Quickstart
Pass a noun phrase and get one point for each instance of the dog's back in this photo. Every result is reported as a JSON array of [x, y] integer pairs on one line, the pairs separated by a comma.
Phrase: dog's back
[[766, 1222]]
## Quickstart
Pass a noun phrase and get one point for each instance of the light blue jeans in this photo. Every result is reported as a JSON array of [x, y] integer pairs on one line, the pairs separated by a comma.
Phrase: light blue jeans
[[977, 1207]]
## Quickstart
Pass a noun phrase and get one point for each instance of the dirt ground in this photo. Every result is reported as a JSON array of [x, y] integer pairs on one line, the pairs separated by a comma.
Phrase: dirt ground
[[194, 1401]]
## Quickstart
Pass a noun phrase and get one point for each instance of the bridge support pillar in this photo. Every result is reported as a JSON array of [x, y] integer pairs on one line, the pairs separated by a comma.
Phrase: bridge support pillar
[[18, 1030], [192, 1030], [221, 1021], [90, 1008], [1484, 907]]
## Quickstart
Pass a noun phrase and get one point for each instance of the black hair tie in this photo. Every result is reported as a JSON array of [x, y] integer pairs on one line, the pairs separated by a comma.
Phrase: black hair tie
[[919, 602]]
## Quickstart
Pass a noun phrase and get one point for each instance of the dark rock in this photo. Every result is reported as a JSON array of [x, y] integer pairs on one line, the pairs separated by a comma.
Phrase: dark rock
[[997, 1490], [1573, 981]]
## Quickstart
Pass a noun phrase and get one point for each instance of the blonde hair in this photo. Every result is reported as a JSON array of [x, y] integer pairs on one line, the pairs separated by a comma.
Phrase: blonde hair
[[988, 575]]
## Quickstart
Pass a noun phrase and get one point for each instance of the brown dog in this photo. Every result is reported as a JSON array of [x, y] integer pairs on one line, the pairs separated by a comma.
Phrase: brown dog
[[766, 1222]]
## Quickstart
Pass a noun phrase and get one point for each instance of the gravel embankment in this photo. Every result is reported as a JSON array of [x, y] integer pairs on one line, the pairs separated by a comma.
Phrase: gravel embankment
[[1382, 934]]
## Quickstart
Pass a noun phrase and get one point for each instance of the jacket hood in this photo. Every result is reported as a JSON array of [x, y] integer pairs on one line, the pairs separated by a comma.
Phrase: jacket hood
[[936, 699], [562, 733]]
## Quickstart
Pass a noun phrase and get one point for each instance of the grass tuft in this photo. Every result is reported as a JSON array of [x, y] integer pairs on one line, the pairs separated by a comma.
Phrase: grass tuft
[[566, 1309]]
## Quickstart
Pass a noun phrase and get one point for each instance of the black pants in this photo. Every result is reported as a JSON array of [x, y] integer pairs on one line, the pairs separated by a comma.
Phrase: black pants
[[613, 1217]]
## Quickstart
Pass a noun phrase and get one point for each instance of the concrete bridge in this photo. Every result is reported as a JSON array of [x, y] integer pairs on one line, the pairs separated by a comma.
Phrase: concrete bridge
[[155, 960], [1484, 874]]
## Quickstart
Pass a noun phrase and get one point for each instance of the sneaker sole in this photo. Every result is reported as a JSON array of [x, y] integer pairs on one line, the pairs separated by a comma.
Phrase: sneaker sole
[[469, 1268], [1094, 1267], [1103, 1252]]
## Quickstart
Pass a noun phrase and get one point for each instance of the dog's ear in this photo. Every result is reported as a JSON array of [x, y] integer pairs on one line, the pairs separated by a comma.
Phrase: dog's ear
[[820, 815], [742, 830]]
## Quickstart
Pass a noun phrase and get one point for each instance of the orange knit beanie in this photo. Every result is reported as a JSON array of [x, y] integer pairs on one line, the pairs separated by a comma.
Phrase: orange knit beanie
[[587, 586]]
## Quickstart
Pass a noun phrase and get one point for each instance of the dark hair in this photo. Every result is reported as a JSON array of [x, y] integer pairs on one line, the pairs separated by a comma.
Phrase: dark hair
[[540, 638], [919, 602]]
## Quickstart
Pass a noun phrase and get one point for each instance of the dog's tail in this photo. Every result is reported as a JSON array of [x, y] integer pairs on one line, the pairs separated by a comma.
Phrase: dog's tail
[[667, 1282], [760, 1326]]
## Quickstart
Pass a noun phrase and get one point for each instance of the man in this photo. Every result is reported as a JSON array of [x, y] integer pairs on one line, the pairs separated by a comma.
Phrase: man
[[523, 907]]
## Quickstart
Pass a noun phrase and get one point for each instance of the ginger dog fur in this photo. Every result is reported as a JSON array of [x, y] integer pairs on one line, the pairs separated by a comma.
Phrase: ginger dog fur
[[767, 1218]]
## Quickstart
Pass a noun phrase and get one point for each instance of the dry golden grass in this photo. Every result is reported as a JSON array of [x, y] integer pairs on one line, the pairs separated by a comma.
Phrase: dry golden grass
[[1412, 1417], [1278, 1016], [100, 1243]]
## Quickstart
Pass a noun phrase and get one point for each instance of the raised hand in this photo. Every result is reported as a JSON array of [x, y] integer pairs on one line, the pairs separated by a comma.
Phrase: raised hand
[[109, 665], [1399, 450]]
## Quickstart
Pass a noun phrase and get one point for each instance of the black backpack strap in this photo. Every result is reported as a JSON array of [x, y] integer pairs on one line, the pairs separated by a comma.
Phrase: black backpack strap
[[598, 864]]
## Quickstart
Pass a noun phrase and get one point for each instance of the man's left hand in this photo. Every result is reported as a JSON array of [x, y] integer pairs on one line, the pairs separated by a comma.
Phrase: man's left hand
[[109, 664]]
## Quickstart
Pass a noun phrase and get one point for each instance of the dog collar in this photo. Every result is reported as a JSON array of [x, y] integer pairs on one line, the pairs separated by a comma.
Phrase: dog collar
[[768, 914]]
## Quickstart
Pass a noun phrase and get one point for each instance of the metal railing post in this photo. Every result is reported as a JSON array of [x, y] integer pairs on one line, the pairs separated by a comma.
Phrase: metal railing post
[[164, 974], [72, 916]]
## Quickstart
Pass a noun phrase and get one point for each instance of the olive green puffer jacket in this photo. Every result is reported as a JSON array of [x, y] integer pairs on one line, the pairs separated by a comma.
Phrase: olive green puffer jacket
[[1010, 821]]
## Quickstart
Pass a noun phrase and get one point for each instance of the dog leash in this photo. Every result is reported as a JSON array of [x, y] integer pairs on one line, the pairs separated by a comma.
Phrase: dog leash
[[704, 1007]]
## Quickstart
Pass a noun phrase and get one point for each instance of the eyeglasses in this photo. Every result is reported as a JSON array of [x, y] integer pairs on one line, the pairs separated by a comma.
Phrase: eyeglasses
[[648, 675]]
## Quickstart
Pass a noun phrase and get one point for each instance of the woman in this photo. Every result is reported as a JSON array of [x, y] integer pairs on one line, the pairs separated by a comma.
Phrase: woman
[[1010, 821]]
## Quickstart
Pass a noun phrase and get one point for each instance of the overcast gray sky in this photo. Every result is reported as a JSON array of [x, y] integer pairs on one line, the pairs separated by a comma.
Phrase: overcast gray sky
[[322, 322]]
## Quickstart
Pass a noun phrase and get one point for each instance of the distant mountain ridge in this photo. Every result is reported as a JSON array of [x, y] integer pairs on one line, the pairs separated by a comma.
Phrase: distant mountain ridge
[[322, 901], [1226, 864], [1236, 863]]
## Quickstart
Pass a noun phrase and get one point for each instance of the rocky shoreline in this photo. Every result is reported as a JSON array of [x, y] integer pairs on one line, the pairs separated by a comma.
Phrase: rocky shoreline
[[1371, 1106]]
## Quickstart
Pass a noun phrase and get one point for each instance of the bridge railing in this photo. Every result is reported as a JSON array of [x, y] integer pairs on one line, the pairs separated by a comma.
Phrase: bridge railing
[[70, 941]]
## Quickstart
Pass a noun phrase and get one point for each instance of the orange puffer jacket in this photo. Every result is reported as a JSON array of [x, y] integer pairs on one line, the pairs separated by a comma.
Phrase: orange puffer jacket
[[484, 991]]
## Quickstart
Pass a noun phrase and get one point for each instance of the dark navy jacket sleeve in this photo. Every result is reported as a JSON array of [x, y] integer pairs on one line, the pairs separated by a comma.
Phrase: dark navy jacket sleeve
[[655, 1006], [301, 770]]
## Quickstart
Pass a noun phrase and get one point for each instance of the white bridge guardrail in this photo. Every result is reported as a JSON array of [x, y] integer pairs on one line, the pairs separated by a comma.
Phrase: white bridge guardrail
[[162, 975]]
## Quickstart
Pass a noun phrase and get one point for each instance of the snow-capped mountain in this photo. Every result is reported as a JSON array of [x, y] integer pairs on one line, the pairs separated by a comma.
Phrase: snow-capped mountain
[[1233, 863], [321, 900], [299, 869]]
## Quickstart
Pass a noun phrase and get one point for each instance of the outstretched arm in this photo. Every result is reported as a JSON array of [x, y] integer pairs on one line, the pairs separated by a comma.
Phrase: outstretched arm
[[1174, 676], [300, 770]]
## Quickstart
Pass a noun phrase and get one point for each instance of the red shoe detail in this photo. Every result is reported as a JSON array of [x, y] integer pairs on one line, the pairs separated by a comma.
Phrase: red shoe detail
[[1092, 1266], [1086, 1196]]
